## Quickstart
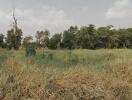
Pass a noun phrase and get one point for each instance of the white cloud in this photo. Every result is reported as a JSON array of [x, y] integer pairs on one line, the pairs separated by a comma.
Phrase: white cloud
[[121, 9], [32, 20]]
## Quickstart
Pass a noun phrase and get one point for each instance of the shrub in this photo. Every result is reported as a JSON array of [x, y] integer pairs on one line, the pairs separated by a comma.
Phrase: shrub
[[50, 56], [31, 50]]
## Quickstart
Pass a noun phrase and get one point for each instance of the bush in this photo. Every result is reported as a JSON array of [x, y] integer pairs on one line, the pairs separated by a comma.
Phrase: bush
[[50, 56], [31, 50]]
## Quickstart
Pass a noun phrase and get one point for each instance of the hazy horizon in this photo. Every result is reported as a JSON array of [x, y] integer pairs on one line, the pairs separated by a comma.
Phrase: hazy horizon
[[58, 15]]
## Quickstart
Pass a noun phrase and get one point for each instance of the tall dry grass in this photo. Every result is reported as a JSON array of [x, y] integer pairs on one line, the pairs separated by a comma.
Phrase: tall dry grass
[[21, 80]]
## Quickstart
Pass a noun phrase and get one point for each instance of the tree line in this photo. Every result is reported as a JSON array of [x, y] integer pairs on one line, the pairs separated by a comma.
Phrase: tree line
[[86, 37]]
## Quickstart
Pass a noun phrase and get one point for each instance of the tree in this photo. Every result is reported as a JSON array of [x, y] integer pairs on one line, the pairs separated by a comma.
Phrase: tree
[[14, 36], [45, 38], [107, 37], [55, 41], [17, 32], [42, 38], [10, 40], [18, 38], [2, 44], [27, 40], [86, 37], [38, 38], [125, 37], [69, 40], [74, 30]]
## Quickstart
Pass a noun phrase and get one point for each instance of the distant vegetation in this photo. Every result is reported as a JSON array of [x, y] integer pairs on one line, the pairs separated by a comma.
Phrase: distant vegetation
[[86, 37]]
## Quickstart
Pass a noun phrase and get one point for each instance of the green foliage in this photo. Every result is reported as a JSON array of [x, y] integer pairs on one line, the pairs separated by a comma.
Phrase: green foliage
[[2, 43], [27, 40], [73, 58], [86, 37], [96, 59], [69, 37], [30, 50], [14, 38], [107, 37], [55, 41], [4, 54], [68, 40], [42, 38]]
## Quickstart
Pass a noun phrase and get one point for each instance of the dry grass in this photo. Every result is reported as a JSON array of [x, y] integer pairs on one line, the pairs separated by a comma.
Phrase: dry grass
[[25, 81]]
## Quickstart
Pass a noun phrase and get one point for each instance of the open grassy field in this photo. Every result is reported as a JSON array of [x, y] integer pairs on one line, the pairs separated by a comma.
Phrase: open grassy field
[[66, 75]]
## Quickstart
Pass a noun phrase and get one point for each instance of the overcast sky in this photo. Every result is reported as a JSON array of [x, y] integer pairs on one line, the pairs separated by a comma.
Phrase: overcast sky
[[58, 15]]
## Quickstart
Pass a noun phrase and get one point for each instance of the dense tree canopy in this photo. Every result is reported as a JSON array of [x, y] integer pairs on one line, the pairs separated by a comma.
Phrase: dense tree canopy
[[55, 41], [85, 37], [42, 38], [13, 39], [2, 44]]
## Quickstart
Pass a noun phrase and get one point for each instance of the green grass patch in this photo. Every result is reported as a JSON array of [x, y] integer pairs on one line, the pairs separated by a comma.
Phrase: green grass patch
[[4, 55]]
